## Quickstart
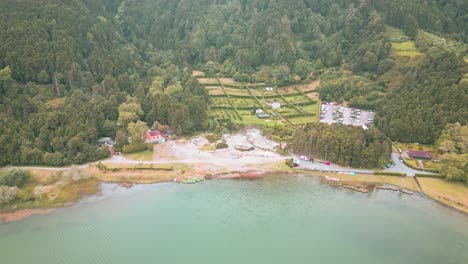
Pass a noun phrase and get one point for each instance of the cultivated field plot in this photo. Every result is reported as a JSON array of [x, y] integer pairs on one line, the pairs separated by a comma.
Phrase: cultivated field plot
[[287, 90], [224, 114], [313, 96], [215, 90], [244, 102], [297, 104], [220, 101], [237, 91], [262, 92], [296, 99], [208, 81]]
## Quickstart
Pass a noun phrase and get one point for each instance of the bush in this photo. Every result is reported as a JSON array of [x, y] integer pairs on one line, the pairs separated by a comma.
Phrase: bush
[[221, 145], [289, 162], [131, 148], [429, 175], [15, 178], [389, 173]]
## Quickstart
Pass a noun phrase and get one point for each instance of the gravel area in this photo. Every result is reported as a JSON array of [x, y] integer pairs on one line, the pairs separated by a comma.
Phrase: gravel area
[[336, 114]]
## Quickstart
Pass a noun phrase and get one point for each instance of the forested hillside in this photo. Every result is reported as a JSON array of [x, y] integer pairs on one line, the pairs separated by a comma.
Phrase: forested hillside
[[66, 66]]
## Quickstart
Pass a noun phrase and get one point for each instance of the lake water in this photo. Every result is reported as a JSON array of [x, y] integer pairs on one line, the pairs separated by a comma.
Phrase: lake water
[[272, 220]]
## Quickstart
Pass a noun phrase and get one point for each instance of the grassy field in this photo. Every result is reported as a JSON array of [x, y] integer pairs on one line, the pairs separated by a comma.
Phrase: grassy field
[[407, 48], [144, 155], [405, 182], [401, 44], [451, 193]]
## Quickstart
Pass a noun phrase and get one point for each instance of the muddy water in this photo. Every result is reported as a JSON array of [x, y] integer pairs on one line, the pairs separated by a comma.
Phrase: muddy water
[[272, 220]]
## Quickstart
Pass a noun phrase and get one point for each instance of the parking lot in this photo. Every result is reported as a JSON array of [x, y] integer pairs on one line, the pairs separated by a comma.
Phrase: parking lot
[[336, 114]]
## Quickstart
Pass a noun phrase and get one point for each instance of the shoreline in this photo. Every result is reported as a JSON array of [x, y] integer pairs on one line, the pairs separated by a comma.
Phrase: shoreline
[[14, 215], [20, 214], [188, 158]]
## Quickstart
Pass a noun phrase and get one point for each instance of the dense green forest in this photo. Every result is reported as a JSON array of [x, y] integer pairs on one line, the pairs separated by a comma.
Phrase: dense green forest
[[347, 145], [73, 71]]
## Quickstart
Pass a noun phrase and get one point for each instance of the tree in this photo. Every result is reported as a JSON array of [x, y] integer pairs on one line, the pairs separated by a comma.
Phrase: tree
[[137, 132], [15, 178], [5, 74], [129, 111], [302, 68], [410, 26]]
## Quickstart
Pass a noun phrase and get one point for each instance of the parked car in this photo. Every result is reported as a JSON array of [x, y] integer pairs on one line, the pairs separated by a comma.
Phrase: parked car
[[401, 160]]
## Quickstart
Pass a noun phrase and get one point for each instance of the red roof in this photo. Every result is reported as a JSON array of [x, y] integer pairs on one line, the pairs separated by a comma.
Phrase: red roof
[[154, 132], [420, 154]]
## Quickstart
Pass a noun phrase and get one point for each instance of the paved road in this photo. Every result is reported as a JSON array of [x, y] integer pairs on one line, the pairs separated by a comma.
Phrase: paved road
[[306, 165], [400, 167]]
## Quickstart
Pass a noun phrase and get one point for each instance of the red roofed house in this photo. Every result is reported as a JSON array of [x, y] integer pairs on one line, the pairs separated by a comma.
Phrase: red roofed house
[[419, 154], [154, 136]]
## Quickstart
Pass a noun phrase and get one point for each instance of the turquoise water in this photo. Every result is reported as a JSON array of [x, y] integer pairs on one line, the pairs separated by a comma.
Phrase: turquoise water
[[272, 220]]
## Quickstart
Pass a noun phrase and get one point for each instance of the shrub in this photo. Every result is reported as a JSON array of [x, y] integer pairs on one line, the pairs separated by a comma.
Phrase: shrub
[[15, 178], [289, 162], [137, 147]]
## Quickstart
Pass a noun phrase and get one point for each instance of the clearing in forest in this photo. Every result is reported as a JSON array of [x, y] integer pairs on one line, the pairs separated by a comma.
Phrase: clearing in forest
[[402, 45]]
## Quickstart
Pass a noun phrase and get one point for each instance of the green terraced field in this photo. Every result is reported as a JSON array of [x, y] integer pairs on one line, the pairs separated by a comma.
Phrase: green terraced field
[[244, 101]]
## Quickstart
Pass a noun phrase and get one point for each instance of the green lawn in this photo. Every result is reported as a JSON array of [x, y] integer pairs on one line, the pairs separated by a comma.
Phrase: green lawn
[[452, 193], [301, 120], [249, 118]]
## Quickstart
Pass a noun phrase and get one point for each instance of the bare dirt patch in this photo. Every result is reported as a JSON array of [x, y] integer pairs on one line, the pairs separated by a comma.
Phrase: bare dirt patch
[[311, 86], [196, 73], [191, 152], [207, 80], [313, 96]]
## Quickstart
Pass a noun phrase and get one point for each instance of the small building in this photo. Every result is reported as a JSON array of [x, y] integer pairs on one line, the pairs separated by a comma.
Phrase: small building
[[154, 136], [275, 105], [419, 154], [105, 141]]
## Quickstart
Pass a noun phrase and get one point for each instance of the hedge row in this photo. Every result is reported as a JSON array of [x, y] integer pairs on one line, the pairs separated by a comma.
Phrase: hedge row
[[387, 173], [429, 175]]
